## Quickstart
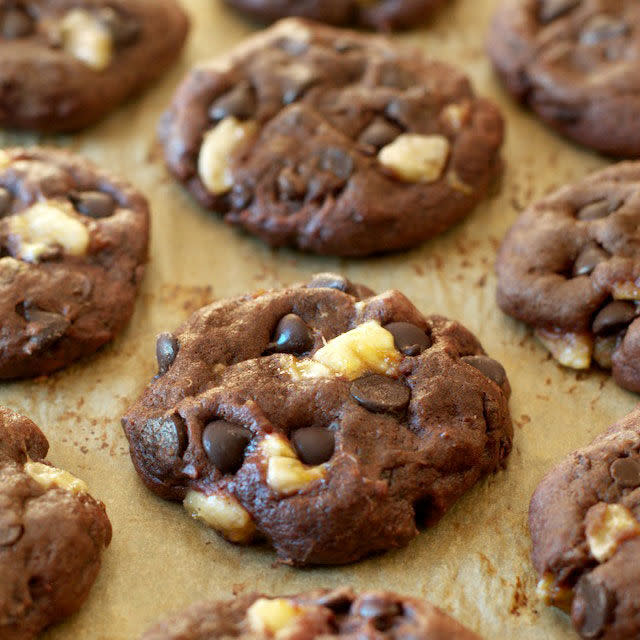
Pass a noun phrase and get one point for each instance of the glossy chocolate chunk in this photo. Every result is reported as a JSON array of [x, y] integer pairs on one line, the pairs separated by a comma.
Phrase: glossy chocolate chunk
[[225, 444], [292, 335], [239, 102], [590, 257], [15, 23], [167, 436], [94, 204], [380, 610], [381, 394], [5, 201], [592, 607], [626, 472], [314, 445], [616, 315], [329, 281], [167, 347], [408, 338], [379, 133], [552, 9], [488, 367], [44, 328]]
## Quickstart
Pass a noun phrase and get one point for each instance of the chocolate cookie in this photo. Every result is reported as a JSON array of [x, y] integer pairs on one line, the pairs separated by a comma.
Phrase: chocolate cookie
[[585, 525], [64, 64], [570, 265], [331, 141], [384, 15], [318, 614], [324, 419], [73, 243], [52, 534], [575, 63]]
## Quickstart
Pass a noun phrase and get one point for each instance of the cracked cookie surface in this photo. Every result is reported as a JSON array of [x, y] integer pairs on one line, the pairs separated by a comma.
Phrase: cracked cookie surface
[[52, 534], [574, 62], [73, 243], [332, 141], [324, 419]]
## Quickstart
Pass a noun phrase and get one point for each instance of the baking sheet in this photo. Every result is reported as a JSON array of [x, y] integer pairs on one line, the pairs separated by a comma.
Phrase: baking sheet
[[474, 563]]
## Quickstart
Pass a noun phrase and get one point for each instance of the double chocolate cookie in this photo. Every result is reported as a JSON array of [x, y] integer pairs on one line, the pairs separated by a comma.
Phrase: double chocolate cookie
[[324, 419], [570, 266], [384, 15], [331, 141], [73, 243], [64, 64], [585, 525], [318, 614], [575, 63], [52, 534]]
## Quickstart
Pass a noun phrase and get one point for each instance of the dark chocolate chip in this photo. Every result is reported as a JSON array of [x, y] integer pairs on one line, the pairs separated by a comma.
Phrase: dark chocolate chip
[[314, 445], [5, 201], [615, 316], [602, 27], [165, 439], [590, 257], [489, 367], [552, 9], [292, 335], [626, 472], [10, 534], [167, 347], [124, 29], [598, 209], [224, 444], [337, 161], [380, 393], [592, 607], [43, 328], [240, 103], [379, 610], [94, 204], [329, 281], [379, 133], [408, 338], [15, 23]]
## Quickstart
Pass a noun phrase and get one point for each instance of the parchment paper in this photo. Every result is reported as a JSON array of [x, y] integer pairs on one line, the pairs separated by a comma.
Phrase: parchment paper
[[475, 562]]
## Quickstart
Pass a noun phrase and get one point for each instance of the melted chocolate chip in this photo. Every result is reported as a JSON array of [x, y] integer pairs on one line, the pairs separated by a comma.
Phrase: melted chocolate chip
[[292, 335], [167, 438], [379, 133], [602, 27], [314, 445], [225, 444], [240, 103], [590, 257], [167, 347], [5, 201], [489, 367], [94, 204], [615, 316], [44, 328], [15, 23], [408, 338], [124, 29], [380, 394], [329, 281], [597, 210], [10, 534], [552, 9], [626, 472], [592, 607]]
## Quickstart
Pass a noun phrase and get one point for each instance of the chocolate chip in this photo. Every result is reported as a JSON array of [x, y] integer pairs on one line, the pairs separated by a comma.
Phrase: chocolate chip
[[314, 445], [240, 103], [15, 23], [291, 185], [626, 472], [603, 27], [552, 9], [337, 161], [5, 201], [615, 316], [408, 338], [166, 439], [94, 204], [44, 328], [489, 367], [598, 209], [124, 29], [377, 609], [590, 257], [379, 133], [224, 444], [167, 347], [292, 335], [10, 534], [329, 281], [592, 607], [380, 393]]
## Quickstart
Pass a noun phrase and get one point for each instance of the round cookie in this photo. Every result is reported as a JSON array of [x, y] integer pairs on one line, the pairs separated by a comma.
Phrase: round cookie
[[332, 141], [384, 15], [574, 62], [326, 420], [375, 615], [585, 526], [65, 64], [73, 243], [569, 267], [52, 534]]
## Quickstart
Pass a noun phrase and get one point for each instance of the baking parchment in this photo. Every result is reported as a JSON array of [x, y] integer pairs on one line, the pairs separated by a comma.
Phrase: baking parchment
[[475, 562]]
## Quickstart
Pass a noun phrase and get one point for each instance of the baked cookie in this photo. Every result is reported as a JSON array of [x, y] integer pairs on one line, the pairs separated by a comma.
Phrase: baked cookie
[[332, 141], [585, 525], [384, 15], [52, 533], [570, 266], [64, 64], [318, 614], [324, 419], [575, 63], [73, 243]]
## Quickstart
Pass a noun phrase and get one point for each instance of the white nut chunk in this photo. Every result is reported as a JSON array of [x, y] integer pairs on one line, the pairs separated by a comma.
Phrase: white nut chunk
[[50, 477], [223, 513], [273, 617], [416, 158], [572, 350], [607, 526], [218, 146], [626, 291], [457, 115], [286, 474], [45, 227], [87, 39]]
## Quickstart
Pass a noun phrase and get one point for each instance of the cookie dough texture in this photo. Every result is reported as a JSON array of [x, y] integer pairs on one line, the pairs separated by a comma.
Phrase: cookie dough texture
[[591, 498], [318, 614], [574, 62], [73, 243], [570, 267], [52, 534], [332, 141], [65, 64], [326, 420]]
